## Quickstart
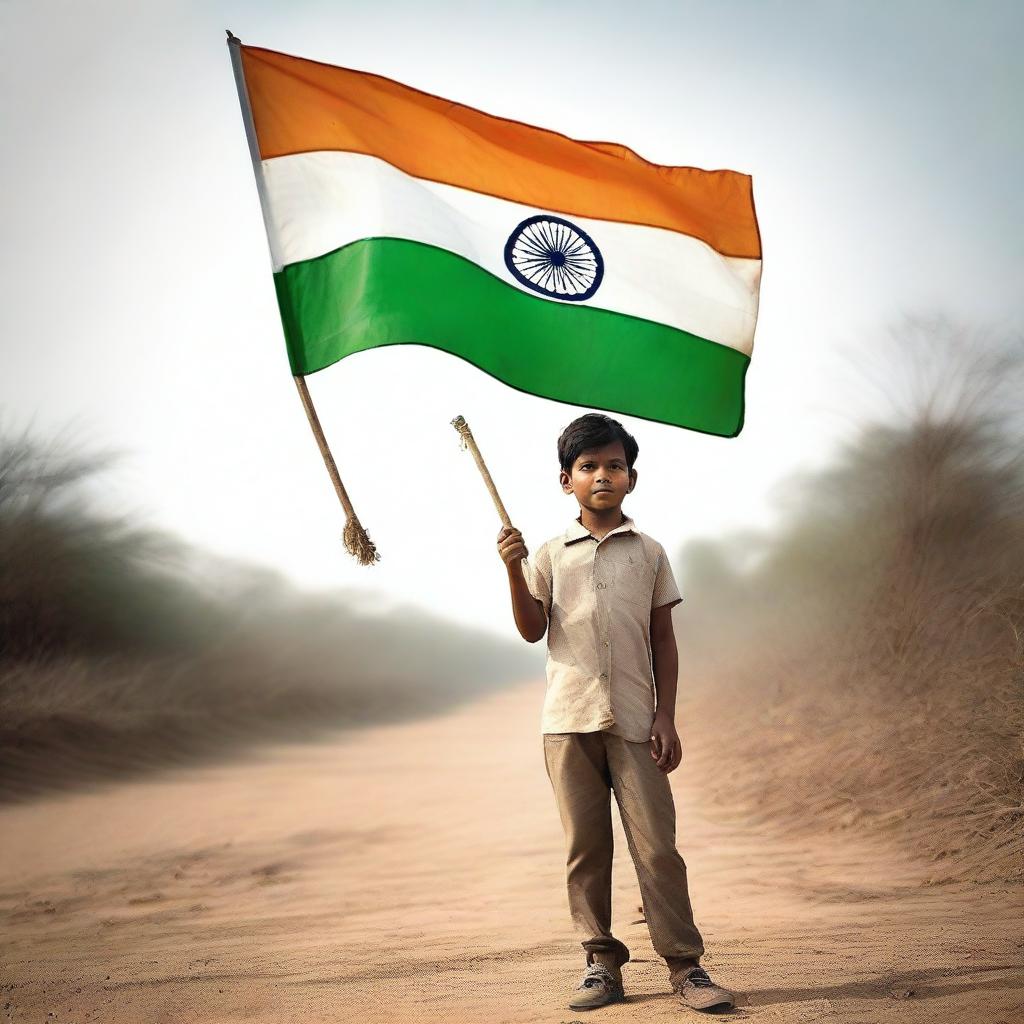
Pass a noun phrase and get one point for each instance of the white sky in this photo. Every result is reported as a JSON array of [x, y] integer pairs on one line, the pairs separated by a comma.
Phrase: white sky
[[885, 144]]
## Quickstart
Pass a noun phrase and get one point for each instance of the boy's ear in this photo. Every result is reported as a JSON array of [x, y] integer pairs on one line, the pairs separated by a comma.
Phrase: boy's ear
[[566, 481], [632, 480]]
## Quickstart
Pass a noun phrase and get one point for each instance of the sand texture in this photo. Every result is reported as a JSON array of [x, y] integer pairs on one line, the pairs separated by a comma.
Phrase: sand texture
[[415, 872]]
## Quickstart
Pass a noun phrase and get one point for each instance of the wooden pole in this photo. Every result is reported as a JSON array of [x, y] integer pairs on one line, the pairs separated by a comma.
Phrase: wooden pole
[[468, 441], [357, 540]]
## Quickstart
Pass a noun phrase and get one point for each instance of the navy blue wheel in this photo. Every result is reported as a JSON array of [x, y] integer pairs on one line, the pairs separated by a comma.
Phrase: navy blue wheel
[[553, 256]]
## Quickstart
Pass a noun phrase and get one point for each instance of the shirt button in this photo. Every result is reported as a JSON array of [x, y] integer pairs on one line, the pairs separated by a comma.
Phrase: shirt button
[[606, 643], [600, 586], [604, 675]]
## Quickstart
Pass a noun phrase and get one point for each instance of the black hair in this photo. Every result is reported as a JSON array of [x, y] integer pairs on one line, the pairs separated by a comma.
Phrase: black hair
[[594, 430]]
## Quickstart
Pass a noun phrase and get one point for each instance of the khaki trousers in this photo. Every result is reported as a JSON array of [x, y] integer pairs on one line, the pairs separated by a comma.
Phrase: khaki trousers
[[584, 769]]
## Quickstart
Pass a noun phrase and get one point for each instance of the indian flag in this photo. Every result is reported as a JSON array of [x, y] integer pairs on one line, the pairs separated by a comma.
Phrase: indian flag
[[577, 271]]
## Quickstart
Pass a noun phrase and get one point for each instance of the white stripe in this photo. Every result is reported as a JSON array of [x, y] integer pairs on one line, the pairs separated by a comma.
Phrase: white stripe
[[322, 201]]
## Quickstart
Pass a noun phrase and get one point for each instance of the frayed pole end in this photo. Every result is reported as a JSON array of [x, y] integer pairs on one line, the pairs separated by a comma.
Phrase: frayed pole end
[[460, 424], [358, 543]]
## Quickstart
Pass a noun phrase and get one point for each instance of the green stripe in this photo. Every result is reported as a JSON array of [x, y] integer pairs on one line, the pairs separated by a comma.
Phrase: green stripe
[[385, 291]]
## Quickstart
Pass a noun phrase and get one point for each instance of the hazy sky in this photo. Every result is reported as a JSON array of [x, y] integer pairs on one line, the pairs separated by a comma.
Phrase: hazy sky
[[885, 144]]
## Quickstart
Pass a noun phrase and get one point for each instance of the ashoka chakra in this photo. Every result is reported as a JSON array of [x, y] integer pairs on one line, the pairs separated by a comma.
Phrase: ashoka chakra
[[554, 257]]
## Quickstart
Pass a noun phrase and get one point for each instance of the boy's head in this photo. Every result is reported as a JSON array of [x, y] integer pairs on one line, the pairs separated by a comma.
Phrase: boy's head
[[596, 455]]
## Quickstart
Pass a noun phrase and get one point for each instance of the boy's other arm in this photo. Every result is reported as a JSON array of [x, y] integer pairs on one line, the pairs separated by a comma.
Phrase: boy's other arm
[[665, 656], [531, 618], [667, 750]]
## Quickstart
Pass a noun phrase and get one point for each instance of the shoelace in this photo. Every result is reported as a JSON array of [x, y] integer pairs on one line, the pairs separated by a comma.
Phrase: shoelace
[[597, 974], [699, 977]]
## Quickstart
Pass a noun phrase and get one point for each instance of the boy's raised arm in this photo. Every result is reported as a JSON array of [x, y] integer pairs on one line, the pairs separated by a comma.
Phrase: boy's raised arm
[[529, 612]]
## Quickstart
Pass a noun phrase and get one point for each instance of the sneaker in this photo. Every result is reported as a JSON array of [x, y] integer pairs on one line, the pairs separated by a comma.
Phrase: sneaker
[[698, 991], [598, 988]]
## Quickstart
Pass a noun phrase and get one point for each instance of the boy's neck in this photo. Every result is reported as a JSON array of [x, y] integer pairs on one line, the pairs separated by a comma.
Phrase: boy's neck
[[601, 522]]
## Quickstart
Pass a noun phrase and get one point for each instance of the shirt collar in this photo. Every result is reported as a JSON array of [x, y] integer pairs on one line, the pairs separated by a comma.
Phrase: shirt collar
[[577, 531]]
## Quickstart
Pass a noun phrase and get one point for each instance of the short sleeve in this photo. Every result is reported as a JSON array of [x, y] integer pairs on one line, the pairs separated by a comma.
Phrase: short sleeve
[[537, 571], [665, 589]]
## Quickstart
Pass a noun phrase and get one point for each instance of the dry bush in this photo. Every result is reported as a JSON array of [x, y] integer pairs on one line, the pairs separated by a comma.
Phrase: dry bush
[[122, 649], [876, 647]]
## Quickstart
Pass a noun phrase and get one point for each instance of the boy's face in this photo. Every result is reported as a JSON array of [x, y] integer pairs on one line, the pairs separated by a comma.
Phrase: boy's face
[[599, 478]]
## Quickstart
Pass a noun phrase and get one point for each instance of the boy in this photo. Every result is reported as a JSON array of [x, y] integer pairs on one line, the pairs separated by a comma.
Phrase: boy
[[604, 592]]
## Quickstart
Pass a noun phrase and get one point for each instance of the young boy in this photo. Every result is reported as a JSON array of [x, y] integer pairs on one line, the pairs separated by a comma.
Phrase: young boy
[[604, 592]]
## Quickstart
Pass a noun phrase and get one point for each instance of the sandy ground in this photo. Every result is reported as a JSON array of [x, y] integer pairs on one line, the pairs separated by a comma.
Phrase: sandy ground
[[416, 873]]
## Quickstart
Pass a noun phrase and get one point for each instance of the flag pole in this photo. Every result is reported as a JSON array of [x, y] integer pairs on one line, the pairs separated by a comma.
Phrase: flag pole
[[357, 540], [468, 441]]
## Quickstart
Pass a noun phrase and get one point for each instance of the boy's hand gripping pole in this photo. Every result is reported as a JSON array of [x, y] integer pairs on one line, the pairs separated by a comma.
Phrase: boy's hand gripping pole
[[468, 442]]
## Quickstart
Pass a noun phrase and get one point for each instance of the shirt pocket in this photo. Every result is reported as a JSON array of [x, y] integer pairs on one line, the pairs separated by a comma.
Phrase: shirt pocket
[[634, 583]]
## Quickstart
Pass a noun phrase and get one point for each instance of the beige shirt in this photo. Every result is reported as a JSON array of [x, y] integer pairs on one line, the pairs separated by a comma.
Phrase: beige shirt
[[599, 595]]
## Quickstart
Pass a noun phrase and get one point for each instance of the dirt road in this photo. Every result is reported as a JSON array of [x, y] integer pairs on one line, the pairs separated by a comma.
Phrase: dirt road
[[416, 873]]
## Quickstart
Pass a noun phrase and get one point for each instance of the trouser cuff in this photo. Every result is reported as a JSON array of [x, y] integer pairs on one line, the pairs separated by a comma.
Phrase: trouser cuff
[[679, 967], [607, 944]]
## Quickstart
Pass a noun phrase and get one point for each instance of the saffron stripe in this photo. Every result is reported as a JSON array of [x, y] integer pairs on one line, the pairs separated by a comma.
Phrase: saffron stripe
[[302, 106]]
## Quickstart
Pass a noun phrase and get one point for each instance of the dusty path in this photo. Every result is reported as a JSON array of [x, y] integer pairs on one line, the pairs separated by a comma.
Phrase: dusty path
[[416, 873]]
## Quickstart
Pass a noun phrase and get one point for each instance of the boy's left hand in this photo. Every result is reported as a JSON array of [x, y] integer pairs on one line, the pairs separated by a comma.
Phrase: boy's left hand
[[666, 747]]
